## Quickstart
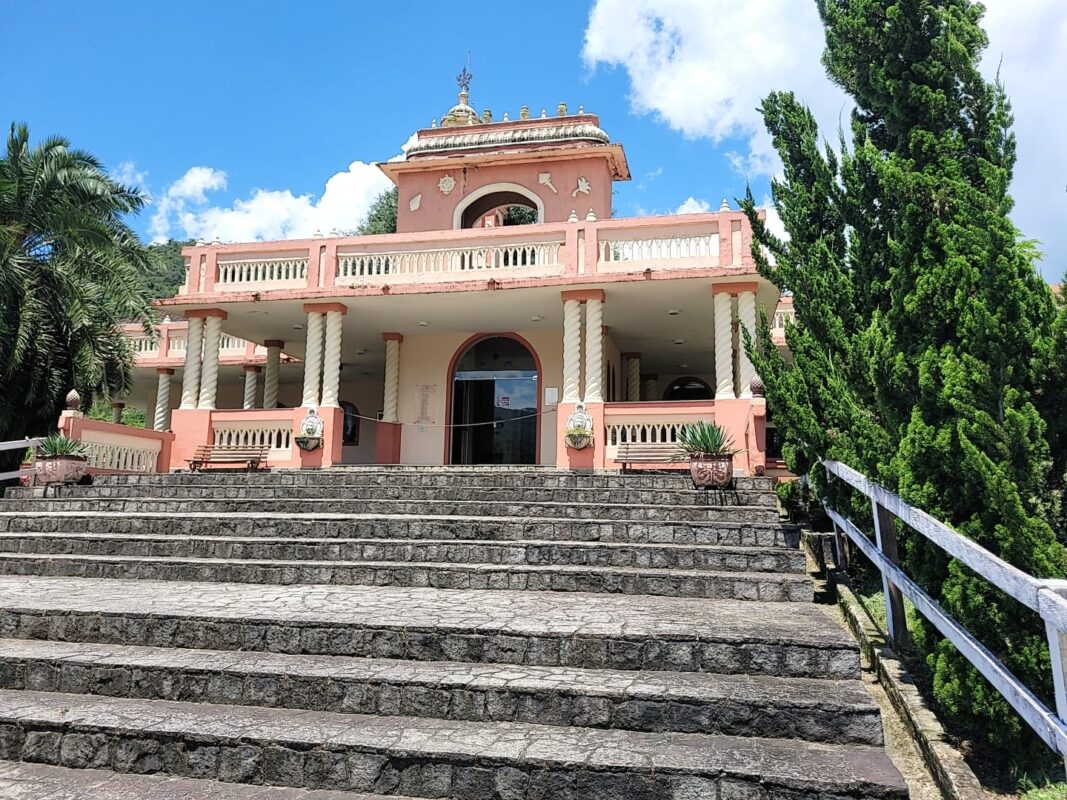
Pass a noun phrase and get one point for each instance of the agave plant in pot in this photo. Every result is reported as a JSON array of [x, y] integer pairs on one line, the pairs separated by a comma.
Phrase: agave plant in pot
[[61, 460], [710, 452]]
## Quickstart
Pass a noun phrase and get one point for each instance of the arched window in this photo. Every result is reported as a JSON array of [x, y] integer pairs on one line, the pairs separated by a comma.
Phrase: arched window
[[497, 195], [350, 431], [688, 388]]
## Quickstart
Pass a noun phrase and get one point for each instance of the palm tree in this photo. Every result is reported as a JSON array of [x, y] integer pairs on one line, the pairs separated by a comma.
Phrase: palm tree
[[70, 272]]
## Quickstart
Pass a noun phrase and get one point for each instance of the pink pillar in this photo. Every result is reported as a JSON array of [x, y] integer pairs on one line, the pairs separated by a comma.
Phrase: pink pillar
[[211, 271], [192, 428], [726, 240], [387, 443]]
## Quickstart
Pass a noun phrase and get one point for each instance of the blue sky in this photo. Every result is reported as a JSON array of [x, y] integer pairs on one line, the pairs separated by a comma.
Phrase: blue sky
[[273, 99]]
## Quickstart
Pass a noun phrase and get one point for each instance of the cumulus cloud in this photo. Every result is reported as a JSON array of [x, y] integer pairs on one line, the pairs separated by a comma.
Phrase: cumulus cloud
[[266, 214], [704, 66], [693, 206], [127, 174]]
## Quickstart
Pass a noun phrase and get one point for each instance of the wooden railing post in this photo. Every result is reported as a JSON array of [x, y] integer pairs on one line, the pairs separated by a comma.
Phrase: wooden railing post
[[1057, 646], [886, 539]]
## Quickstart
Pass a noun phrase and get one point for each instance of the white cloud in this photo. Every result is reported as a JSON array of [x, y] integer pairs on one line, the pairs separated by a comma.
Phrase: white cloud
[[127, 174], [704, 66], [266, 214], [693, 206]]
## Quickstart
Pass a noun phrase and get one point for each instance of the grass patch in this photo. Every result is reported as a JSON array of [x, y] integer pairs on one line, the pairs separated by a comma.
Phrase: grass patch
[[1052, 791]]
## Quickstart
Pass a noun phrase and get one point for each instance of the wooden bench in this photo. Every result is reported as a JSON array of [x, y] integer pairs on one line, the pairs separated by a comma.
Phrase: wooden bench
[[646, 453], [250, 457]]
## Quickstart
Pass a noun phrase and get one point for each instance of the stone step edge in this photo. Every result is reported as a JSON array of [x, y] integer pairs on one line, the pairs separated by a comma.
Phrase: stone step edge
[[812, 709], [284, 744], [584, 544], [342, 517], [565, 569], [23, 780]]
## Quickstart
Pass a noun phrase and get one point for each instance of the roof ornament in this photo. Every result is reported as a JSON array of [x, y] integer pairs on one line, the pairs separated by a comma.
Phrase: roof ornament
[[464, 78], [725, 205]]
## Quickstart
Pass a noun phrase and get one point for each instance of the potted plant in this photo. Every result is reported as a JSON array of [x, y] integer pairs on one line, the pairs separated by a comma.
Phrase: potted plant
[[61, 460], [579, 438], [309, 436], [710, 452]]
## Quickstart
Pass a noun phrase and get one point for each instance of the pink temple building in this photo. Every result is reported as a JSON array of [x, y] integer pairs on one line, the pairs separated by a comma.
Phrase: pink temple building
[[461, 339]]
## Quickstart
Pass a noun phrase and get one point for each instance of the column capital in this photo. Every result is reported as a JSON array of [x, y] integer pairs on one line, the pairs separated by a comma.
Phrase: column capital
[[734, 288], [322, 308], [392, 337], [582, 295], [251, 368], [273, 343], [204, 313], [164, 371]]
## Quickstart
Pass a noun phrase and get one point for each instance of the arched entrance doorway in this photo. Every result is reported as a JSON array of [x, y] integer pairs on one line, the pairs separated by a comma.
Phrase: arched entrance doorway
[[688, 388], [495, 402]]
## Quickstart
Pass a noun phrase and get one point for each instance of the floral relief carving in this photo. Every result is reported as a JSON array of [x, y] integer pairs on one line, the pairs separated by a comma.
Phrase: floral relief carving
[[446, 184]]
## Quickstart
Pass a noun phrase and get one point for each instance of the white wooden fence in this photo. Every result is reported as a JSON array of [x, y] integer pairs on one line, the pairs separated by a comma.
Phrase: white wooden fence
[[19, 444], [1044, 597]]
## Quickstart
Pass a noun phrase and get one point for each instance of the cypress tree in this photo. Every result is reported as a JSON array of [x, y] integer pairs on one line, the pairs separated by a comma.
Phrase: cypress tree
[[924, 331]]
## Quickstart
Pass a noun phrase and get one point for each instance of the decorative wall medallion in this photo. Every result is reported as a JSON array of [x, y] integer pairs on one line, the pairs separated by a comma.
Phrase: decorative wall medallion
[[415, 202], [584, 187], [545, 179], [446, 184]]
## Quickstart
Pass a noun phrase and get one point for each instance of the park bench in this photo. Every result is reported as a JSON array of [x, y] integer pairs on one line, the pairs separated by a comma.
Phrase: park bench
[[248, 456], [646, 453]]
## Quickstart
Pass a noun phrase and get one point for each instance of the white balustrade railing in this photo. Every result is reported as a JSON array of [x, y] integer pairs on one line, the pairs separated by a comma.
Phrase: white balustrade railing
[[123, 458], [276, 436], [275, 270], [651, 432], [659, 248], [448, 260], [228, 342], [177, 344], [143, 344]]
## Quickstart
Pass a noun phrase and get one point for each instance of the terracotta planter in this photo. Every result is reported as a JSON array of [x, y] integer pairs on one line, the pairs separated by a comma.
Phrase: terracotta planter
[[579, 441], [61, 469], [712, 471]]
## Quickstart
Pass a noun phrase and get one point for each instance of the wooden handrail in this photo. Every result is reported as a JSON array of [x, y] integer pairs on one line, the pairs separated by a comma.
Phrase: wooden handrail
[[1044, 597]]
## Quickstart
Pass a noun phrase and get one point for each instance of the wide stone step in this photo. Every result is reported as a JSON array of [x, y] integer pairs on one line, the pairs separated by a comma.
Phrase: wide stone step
[[231, 505], [686, 702], [486, 477], [452, 551], [428, 757], [509, 494], [765, 586], [589, 631], [413, 526], [28, 781]]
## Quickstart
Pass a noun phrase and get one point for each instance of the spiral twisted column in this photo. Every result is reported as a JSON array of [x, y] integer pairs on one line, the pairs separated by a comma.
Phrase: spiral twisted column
[[194, 339], [209, 373], [331, 368], [649, 387], [270, 373], [633, 377], [724, 347], [161, 419], [391, 399], [572, 349], [251, 385], [746, 313], [313, 360], [594, 350]]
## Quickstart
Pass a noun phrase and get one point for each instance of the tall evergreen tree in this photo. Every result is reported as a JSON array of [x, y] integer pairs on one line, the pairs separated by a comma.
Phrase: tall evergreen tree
[[922, 323]]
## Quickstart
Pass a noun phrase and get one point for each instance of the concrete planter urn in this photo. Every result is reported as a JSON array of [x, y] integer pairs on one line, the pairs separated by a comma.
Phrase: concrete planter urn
[[61, 460], [710, 452], [712, 471], [308, 443], [579, 439]]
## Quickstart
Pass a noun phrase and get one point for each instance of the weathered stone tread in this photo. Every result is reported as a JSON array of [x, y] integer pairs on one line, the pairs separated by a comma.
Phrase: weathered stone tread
[[814, 709], [24, 781], [281, 743]]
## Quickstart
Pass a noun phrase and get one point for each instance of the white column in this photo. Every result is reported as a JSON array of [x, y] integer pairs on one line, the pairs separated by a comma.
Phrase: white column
[[633, 377], [724, 347], [313, 360], [331, 367], [194, 338], [209, 376], [594, 351], [650, 387], [251, 384], [746, 313], [161, 419], [572, 349], [391, 399], [270, 373]]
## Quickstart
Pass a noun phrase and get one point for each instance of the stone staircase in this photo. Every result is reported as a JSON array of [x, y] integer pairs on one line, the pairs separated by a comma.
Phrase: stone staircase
[[463, 633]]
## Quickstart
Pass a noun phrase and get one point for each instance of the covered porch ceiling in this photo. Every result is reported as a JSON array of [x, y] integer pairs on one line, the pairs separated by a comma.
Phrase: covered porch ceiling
[[669, 322]]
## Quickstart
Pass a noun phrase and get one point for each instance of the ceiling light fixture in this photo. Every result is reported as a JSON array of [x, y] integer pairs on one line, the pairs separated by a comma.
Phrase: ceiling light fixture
[[423, 323], [673, 312], [361, 352], [537, 318], [679, 341], [298, 327]]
